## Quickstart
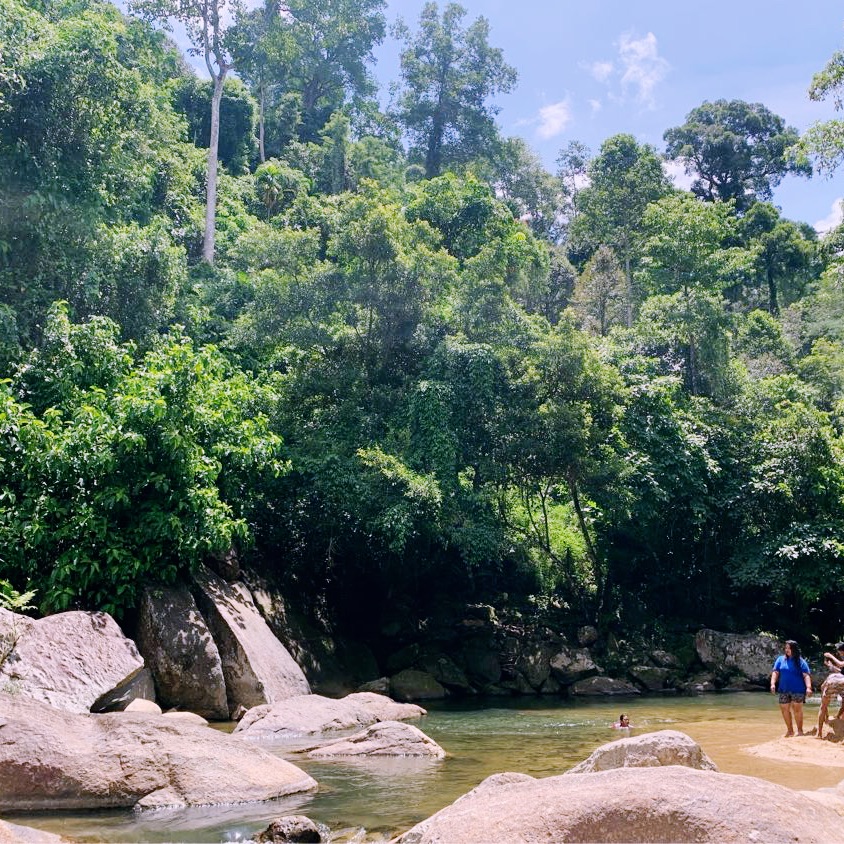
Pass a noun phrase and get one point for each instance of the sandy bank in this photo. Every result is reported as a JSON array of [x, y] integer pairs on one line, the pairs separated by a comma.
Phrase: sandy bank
[[806, 750]]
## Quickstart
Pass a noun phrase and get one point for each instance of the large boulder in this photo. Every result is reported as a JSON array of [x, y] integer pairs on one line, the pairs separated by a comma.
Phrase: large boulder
[[257, 668], [71, 660], [652, 750], [534, 663], [602, 687], [180, 651], [632, 805], [293, 828], [55, 760], [569, 665], [411, 684], [312, 714], [386, 738], [752, 656]]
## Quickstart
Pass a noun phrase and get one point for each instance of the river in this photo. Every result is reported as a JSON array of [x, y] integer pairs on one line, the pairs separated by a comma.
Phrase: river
[[537, 736]]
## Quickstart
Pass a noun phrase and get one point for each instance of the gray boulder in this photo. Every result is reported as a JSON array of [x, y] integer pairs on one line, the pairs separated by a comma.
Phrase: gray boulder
[[141, 686], [651, 678], [752, 656], [652, 750], [70, 660], [12, 833], [55, 760], [312, 714], [411, 684], [569, 665], [534, 663], [386, 738], [180, 651], [257, 668], [671, 803], [602, 686], [292, 828]]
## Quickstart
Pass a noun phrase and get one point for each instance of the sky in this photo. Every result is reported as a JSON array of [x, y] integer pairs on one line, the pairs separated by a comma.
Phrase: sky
[[593, 68]]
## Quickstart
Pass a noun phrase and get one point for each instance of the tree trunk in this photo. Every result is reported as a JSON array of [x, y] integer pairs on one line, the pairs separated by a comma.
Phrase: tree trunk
[[211, 188], [628, 280], [262, 157], [773, 302]]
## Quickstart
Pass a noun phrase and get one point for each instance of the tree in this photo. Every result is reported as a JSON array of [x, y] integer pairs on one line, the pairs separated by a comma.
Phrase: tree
[[449, 72], [824, 141], [208, 31], [599, 292], [736, 150], [623, 180]]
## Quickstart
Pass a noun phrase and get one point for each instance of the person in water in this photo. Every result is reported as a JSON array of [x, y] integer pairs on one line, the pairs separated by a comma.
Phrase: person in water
[[623, 722], [832, 686], [792, 681]]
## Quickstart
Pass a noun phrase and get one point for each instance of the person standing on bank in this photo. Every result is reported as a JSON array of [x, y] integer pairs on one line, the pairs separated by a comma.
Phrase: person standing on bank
[[792, 680]]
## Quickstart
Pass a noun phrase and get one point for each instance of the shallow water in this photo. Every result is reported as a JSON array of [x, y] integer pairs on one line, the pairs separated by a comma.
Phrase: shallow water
[[536, 736]]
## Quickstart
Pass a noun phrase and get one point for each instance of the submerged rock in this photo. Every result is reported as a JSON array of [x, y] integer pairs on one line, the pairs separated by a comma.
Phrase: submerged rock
[[12, 833], [70, 660], [632, 805], [55, 760], [292, 828]]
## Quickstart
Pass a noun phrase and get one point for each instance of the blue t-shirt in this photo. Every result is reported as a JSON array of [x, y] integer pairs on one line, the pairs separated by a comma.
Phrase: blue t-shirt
[[791, 677]]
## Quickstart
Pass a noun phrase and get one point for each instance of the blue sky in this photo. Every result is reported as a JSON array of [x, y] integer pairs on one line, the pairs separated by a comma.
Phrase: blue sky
[[588, 70]]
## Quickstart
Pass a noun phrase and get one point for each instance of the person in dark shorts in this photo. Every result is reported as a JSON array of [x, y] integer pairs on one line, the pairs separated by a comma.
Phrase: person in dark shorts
[[792, 681]]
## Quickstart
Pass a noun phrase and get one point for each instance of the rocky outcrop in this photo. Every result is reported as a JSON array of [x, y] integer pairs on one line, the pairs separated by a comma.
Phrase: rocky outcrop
[[602, 687], [71, 660], [632, 805], [257, 668], [652, 750], [650, 677], [312, 714], [12, 833], [570, 665], [387, 738], [750, 656], [180, 651], [55, 760]]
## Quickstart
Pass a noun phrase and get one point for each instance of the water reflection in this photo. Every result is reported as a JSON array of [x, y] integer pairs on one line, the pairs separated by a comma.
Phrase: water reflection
[[539, 737]]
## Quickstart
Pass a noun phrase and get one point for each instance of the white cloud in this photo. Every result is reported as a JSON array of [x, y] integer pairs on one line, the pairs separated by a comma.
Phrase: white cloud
[[644, 68], [601, 70], [595, 105], [834, 218], [678, 175], [553, 119]]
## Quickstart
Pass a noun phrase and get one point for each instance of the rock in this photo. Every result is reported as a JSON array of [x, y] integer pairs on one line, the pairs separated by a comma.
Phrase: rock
[[187, 718], [665, 747], [141, 705], [663, 659], [140, 686], [239, 712], [446, 672], [178, 647], [480, 660], [55, 760], [651, 678], [752, 655], [226, 564], [699, 684], [632, 805], [381, 686], [480, 612], [257, 668], [568, 666], [534, 663], [69, 660], [12, 833], [595, 686], [587, 635], [312, 714], [291, 828], [415, 685], [386, 738]]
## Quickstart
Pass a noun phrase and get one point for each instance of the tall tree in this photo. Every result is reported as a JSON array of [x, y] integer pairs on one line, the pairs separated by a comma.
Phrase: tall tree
[[205, 22], [736, 150], [623, 180], [449, 72], [599, 292]]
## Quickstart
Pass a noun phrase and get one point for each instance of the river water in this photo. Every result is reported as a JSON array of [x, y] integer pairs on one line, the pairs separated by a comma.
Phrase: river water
[[372, 799]]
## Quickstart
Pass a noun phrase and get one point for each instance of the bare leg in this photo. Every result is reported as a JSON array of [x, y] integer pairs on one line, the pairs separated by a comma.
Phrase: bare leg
[[822, 713], [797, 712], [785, 709]]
